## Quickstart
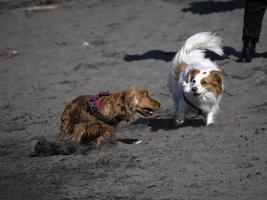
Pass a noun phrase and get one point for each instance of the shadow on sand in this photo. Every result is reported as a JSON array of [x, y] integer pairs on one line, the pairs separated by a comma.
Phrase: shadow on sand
[[168, 56], [167, 123], [153, 54], [208, 7]]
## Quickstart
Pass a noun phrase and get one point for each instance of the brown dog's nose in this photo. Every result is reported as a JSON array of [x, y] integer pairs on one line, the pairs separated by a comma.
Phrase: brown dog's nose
[[158, 104]]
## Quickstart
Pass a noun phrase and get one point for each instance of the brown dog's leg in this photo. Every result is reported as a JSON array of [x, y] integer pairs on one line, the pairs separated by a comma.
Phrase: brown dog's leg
[[97, 132], [66, 129], [103, 137], [79, 132], [86, 130], [105, 134], [68, 119]]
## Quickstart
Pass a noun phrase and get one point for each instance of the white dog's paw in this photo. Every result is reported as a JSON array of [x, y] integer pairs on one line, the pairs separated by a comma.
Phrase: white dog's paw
[[210, 120], [210, 123], [178, 122]]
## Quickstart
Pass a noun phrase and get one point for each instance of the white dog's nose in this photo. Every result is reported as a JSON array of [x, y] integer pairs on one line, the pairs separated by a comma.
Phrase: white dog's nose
[[194, 89]]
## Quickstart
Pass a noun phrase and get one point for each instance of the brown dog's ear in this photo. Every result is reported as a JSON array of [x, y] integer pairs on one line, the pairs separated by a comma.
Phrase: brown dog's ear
[[217, 75], [127, 106], [219, 72], [192, 74]]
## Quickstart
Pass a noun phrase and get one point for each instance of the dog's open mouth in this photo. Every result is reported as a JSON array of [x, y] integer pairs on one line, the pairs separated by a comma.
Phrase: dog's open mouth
[[145, 111], [196, 94]]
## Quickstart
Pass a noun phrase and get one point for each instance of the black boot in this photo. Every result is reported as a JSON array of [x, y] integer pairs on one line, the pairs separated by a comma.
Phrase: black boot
[[248, 51]]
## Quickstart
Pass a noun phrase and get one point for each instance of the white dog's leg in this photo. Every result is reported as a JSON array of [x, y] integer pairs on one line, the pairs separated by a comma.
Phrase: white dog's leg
[[210, 119], [180, 105], [211, 115], [180, 112]]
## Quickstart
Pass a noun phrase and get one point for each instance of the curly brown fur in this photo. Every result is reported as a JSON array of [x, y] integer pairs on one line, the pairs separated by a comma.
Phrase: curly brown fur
[[79, 125]]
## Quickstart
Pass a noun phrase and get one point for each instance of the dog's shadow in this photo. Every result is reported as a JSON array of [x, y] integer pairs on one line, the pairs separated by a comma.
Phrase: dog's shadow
[[152, 54], [168, 56], [168, 123], [128, 140], [209, 7]]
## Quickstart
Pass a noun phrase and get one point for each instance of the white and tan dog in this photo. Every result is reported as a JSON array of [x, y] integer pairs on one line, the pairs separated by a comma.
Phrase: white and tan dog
[[196, 81]]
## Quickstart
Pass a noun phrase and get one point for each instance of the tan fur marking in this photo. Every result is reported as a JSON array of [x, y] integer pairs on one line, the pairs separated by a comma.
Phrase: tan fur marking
[[192, 74], [213, 82], [178, 69]]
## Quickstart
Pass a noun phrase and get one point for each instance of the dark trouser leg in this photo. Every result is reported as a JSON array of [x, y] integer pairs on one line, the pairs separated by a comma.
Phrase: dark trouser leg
[[254, 12]]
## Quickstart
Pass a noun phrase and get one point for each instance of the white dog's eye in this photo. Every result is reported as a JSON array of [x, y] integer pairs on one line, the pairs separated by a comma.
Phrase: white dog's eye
[[194, 81]]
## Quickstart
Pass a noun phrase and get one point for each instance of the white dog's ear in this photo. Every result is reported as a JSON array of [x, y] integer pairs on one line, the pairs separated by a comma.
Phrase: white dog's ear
[[192, 73], [186, 86]]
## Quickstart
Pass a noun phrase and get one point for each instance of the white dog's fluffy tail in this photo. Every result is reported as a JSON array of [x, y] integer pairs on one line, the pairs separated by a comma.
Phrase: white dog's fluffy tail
[[196, 44]]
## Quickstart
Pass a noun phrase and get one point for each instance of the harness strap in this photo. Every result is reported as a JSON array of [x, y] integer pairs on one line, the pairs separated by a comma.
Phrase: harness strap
[[93, 104], [200, 112]]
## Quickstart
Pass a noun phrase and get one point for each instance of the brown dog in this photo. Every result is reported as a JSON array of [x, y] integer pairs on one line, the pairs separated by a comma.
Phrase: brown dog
[[94, 118]]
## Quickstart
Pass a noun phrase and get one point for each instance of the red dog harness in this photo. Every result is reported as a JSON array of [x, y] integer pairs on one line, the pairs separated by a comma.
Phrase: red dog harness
[[93, 105], [94, 102]]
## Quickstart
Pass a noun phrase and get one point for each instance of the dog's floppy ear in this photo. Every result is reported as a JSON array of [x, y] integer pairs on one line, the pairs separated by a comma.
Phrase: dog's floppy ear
[[192, 73], [127, 106], [217, 72], [217, 75]]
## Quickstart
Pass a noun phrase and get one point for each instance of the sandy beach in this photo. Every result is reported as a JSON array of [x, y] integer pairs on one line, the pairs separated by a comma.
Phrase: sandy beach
[[55, 54]]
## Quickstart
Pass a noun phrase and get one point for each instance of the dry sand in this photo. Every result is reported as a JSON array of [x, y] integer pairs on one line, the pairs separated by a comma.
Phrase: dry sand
[[89, 46]]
